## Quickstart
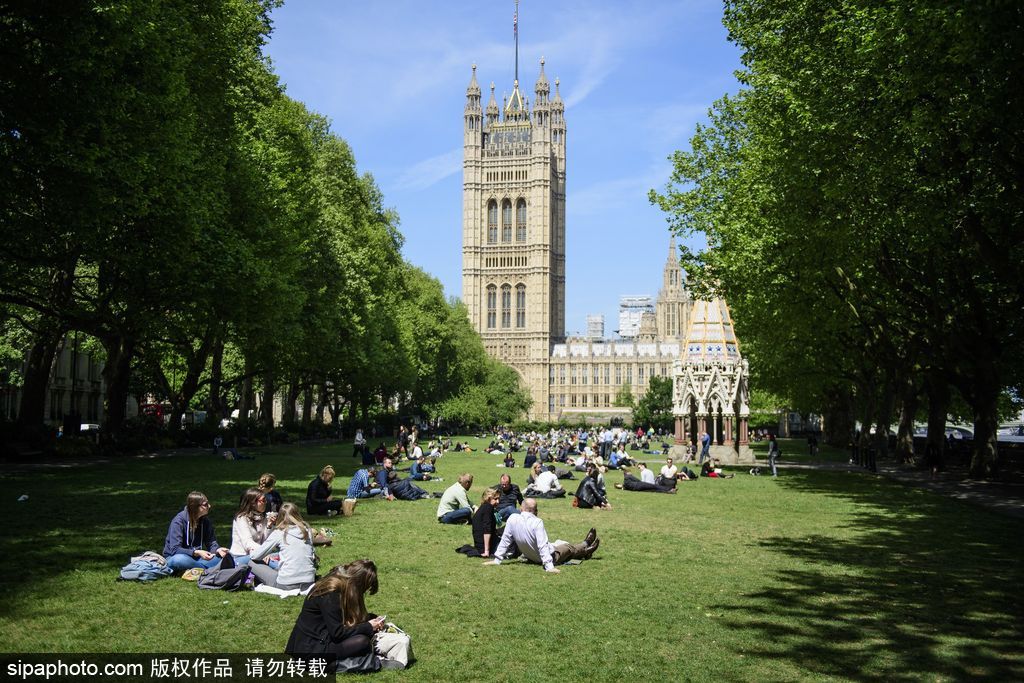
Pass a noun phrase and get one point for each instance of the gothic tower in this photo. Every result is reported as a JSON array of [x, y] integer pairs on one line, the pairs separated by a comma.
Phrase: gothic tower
[[673, 304], [513, 227]]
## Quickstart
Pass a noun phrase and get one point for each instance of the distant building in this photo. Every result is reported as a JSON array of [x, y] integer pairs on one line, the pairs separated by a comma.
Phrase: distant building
[[514, 269], [631, 309]]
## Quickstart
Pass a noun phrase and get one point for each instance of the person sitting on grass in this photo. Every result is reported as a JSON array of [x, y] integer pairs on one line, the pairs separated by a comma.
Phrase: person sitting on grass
[[631, 483], [510, 461], [364, 484], [619, 458], [293, 539], [404, 489], [319, 500], [525, 534], [669, 473], [454, 507], [424, 470], [382, 478], [268, 487], [380, 453], [588, 495], [190, 541], [249, 528], [333, 619], [485, 527], [545, 484], [713, 470], [646, 474], [509, 498]]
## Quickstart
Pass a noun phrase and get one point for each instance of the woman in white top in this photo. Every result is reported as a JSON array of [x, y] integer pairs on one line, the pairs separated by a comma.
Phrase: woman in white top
[[294, 539], [249, 528]]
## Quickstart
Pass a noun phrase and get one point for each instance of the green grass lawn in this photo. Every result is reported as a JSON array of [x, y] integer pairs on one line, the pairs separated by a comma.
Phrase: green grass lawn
[[815, 575]]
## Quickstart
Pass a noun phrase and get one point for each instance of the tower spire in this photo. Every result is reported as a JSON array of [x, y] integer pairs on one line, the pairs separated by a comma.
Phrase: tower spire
[[515, 33]]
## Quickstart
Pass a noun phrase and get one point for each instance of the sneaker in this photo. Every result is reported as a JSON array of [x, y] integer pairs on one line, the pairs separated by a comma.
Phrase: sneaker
[[332, 513], [618, 486]]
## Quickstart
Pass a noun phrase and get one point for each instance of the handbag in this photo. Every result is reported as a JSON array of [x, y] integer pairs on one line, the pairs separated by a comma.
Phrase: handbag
[[394, 647]]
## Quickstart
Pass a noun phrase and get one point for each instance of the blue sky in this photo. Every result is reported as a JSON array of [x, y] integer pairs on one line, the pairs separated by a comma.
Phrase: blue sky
[[636, 78]]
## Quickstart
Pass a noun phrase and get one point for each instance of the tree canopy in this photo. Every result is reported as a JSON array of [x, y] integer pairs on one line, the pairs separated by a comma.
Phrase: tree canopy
[[861, 198]]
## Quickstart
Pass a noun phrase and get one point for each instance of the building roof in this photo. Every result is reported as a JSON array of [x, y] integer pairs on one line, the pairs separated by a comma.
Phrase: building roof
[[711, 335]]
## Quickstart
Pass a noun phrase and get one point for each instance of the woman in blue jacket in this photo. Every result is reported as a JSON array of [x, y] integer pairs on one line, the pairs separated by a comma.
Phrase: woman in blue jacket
[[190, 539]]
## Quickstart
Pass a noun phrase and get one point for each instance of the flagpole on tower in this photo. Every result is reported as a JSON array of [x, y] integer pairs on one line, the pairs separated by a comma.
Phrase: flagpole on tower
[[515, 32]]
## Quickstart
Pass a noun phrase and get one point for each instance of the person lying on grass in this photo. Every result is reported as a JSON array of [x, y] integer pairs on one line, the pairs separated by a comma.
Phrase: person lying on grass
[[190, 541], [333, 618], [423, 470], [404, 489], [713, 470], [294, 539], [319, 500], [588, 495], [525, 534], [631, 483]]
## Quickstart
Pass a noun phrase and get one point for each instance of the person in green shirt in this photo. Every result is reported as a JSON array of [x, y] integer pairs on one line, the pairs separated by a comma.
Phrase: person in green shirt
[[454, 507]]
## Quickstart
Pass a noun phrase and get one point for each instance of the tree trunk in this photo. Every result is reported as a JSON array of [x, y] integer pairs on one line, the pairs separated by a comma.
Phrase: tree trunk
[[245, 400], [307, 404], [984, 450], [213, 405], [908, 411], [267, 405], [291, 397], [38, 368], [117, 374], [321, 402], [938, 408]]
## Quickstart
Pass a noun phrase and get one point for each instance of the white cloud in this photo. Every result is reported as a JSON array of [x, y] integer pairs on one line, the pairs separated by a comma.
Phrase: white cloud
[[423, 174], [606, 195]]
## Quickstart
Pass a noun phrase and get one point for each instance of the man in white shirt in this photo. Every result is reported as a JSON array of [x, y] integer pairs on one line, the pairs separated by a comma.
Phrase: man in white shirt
[[646, 475], [546, 485], [668, 473], [526, 531]]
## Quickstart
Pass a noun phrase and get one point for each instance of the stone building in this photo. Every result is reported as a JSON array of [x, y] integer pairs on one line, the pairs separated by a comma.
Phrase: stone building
[[513, 264]]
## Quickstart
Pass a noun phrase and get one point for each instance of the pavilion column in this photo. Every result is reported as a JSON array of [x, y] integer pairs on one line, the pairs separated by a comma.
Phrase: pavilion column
[[728, 430], [744, 440], [680, 432]]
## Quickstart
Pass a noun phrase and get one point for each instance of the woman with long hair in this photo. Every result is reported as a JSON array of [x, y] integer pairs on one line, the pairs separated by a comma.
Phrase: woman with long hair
[[334, 617], [190, 541], [249, 528], [293, 538]]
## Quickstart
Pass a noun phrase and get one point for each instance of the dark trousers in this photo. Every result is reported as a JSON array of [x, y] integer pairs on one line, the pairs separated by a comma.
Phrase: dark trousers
[[631, 483]]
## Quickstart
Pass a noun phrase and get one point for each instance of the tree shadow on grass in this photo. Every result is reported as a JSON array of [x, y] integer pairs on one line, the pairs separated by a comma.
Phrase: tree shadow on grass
[[93, 519], [914, 587]]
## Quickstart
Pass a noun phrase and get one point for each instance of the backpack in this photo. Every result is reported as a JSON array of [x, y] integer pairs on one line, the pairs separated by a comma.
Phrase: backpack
[[226, 577], [144, 570]]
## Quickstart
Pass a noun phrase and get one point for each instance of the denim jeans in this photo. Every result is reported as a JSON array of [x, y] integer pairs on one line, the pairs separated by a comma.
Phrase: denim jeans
[[456, 516], [507, 511], [368, 494], [181, 562]]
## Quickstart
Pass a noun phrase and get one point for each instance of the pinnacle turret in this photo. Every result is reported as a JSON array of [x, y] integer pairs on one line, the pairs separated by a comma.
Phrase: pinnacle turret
[[541, 87], [474, 87]]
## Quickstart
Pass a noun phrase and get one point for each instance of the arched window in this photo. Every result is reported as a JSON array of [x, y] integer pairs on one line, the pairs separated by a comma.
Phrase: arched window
[[506, 221], [521, 220], [506, 306], [492, 222], [520, 305], [492, 306]]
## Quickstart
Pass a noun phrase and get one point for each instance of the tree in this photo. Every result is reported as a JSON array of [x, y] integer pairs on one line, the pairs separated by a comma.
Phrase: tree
[[655, 406], [624, 397], [862, 204], [499, 398]]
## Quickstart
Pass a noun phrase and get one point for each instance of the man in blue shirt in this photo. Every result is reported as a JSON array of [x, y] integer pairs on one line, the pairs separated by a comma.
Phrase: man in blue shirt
[[363, 484]]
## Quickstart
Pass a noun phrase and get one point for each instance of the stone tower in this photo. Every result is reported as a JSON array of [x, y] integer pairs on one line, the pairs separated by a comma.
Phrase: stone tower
[[513, 231], [673, 304]]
